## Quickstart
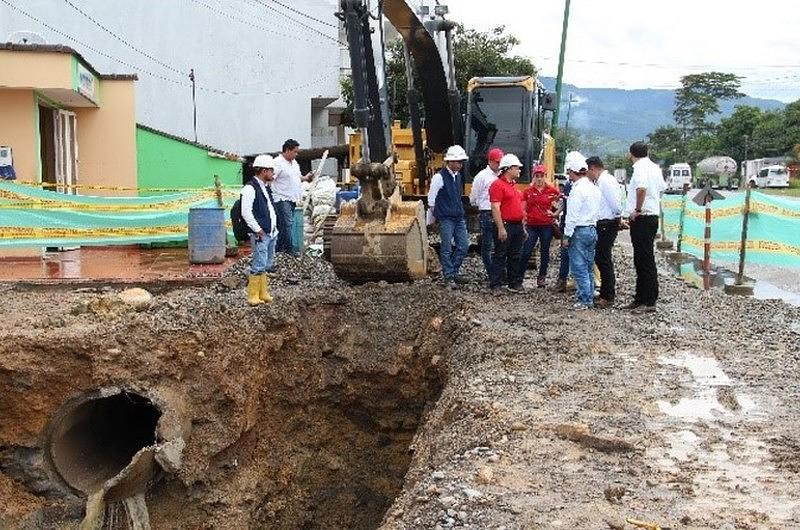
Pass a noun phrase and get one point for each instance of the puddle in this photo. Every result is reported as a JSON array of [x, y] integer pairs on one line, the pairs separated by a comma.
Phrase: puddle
[[704, 370], [717, 449], [690, 270]]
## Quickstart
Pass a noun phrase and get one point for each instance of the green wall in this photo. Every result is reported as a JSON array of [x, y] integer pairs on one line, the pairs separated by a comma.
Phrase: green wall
[[164, 162]]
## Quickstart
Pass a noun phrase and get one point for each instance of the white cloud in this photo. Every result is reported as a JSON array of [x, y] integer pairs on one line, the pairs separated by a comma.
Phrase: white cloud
[[651, 44]]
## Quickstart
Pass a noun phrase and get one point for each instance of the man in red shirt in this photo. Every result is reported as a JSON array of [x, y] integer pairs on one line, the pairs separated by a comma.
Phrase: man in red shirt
[[540, 201], [508, 212]]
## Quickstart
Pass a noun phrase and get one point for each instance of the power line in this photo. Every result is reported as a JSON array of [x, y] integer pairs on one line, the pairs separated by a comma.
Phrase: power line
[[305, 15], [123, 41], [249, 23], [161, 77], [306, 26]]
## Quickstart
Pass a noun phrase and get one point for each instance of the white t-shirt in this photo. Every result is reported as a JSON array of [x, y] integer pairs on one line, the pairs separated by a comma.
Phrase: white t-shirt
[[479, 195], [646, 175], [287, 185]]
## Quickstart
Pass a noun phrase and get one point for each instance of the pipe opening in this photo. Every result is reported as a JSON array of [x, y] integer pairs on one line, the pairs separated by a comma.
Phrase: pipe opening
[[93, 440]]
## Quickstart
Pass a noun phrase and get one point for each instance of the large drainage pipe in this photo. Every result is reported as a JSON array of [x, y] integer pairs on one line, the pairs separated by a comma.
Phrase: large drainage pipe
[[115, 441]]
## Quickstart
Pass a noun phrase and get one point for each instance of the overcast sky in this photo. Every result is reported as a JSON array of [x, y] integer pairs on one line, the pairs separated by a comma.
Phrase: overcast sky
[[652, 43]]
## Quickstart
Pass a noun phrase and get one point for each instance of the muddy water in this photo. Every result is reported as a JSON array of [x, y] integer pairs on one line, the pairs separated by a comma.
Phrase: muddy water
[[714, 441], [100, 514], [690, 270]]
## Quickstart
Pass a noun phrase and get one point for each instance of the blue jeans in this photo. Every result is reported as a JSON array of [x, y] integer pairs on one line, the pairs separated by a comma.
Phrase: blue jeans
[[544, 234], [284, 211], [452, 229], [487, 239], [581, 261], [563, 267], [263, 253]]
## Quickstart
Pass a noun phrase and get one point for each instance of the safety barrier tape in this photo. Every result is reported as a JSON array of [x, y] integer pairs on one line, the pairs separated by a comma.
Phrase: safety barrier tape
[[114, 188]]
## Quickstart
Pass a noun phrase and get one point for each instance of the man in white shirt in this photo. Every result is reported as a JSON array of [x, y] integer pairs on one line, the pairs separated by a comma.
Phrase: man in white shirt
[[644, 209], [608, 225], [479, 198], [287, 190], [258, 212], [580, 232]]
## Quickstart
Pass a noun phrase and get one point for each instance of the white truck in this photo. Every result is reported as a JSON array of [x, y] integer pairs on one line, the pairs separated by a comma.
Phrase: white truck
[[766, 173], [678, 175]]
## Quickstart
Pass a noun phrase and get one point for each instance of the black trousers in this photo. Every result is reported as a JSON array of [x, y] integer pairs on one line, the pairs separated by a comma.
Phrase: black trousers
[[606, 235], [643, 235], [506, 256]]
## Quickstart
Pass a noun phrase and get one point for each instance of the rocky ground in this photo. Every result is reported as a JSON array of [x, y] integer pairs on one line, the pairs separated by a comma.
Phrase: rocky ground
[[411, 406]]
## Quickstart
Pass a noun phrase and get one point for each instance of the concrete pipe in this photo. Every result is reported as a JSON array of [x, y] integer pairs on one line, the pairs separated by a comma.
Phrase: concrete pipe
[[116, 441]]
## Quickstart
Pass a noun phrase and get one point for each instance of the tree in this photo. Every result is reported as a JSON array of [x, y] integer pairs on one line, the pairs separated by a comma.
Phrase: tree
[[698, 99], [769, 136], [476, 54], [667, 145], [735, 133]]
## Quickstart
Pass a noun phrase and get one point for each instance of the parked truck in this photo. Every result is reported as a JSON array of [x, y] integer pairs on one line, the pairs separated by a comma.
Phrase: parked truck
[[678, 175], [719, 171], [766, 173]]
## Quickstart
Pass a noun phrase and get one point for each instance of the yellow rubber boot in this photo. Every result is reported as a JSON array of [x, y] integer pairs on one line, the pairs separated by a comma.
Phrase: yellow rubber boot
[[263, 292], [253, 287]]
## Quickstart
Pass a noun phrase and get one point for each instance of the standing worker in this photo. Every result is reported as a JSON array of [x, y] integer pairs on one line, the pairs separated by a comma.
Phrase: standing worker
[[479, 197], [288, 190], [445, 207], [607, 228], [258, 212], [563, 265], [580, 232], [540, 200], [644, 209], [508, 213]]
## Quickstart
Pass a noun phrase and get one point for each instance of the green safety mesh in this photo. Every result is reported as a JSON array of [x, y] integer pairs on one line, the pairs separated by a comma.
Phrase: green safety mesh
[[34, 217], [773, 232]]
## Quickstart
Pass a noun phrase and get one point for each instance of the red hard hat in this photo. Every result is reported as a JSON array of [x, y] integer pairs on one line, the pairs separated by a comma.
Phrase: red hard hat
[[495, 155], [540, 168]]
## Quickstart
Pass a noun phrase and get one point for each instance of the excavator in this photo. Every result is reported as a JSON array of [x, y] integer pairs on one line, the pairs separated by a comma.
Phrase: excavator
[[382, 235]]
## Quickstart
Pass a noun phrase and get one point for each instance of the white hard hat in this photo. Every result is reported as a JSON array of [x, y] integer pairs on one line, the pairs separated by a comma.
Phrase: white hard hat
[[455, 153], [509, 160], [575, 161], [264, 161]]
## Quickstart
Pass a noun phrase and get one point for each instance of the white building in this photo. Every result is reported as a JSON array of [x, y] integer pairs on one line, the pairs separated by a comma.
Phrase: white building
[[266, 70]]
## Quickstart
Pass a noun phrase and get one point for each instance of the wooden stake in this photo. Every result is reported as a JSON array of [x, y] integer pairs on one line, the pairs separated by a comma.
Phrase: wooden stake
[[743, 245], [218, 190]]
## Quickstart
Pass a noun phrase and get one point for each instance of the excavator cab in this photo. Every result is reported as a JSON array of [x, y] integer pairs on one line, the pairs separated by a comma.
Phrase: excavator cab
[[505, 112]]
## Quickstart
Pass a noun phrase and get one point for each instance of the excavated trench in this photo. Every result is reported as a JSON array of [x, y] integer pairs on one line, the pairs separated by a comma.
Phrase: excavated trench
[[299, 417]]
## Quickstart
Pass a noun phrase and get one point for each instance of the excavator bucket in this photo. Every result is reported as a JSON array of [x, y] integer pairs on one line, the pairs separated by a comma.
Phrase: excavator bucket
[[372, 250], [379, 237]]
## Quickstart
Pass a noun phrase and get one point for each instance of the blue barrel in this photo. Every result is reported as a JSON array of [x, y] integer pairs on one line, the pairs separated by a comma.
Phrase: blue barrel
[[297, 231], [207, 235]]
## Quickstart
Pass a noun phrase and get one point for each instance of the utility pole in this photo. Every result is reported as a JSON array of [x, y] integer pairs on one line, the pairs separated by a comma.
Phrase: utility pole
[[560, 76], [194, 103], [570, 101]]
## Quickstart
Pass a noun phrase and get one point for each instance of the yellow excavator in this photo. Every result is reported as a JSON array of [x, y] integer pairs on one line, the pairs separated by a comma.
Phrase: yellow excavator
[[382, 235]]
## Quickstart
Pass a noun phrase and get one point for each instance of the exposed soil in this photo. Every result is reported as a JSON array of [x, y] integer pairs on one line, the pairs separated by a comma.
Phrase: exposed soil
[[410, 406]]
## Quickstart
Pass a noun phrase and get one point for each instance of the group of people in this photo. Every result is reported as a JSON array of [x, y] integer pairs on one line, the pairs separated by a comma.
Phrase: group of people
[[268, 202], [587, 214]]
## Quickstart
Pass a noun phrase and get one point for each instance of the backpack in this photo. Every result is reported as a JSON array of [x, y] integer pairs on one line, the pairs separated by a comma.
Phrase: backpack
[[240, 229]]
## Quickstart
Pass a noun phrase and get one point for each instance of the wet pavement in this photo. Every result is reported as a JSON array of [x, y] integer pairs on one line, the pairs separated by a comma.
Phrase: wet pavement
[[111, 263]]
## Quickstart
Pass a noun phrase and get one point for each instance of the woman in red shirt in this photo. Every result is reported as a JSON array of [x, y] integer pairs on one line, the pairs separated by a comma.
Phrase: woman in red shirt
[[540, 202]]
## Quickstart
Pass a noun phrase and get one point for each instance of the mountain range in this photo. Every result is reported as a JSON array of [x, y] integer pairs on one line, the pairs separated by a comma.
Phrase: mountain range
[[617, 117]]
